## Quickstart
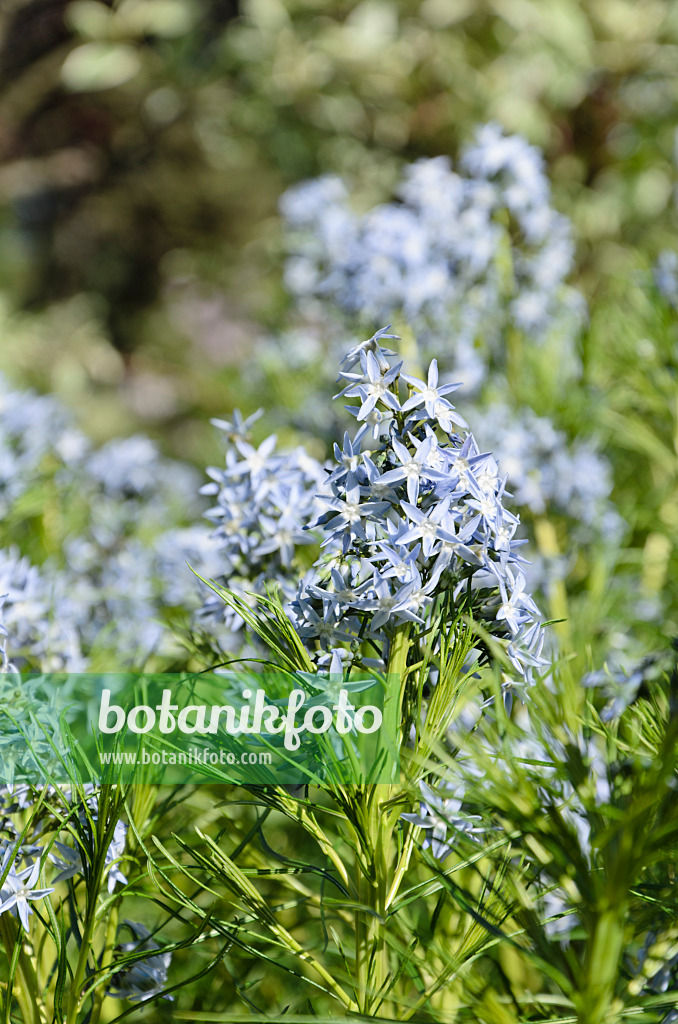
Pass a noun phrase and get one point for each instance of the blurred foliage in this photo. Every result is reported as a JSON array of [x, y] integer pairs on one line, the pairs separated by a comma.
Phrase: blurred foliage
[[142, 128], [97, 146]]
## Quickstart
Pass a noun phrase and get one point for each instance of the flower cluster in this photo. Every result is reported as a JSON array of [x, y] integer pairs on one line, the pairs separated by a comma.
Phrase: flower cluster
[[623, 677], [415, 517], [465, 254], [40, 615], [104, 588], [568, 775], [32, 428], [264, 499], [548, 475]]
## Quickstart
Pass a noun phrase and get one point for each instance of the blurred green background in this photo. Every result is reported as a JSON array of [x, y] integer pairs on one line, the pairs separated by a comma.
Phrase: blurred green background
[[144, 145]]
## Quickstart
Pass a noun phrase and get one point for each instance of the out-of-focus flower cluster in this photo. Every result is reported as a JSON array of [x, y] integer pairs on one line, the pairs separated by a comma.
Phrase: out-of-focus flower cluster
[[443, 819], [464, 255], [623, 677], [549, 477], [120, 559], [33, 429], [545, 473]]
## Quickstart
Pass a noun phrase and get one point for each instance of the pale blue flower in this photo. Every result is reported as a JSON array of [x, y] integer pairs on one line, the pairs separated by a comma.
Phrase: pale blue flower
[[237, 429], [146, 977], [116, 850], [440, 815], [265, 501], [372, 385], [517, 607], [349, 512], [18, 891], [253, 462], [413, 466], [68, 862], [373, 345], [431, 528], [431, 396]]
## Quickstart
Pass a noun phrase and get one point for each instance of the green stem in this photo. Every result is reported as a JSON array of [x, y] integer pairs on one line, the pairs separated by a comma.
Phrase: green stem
[[403, 865], [514, 361], [397, 659], [312, 827], [603, 968], [81, 968], [26, 992], [377, 884], [371, 950], [106, 961], [93, 889]]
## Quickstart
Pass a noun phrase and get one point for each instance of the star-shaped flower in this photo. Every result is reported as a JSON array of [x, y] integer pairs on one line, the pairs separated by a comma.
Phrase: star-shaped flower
[[372, 386], [18, 891], [430, 395], [413, 466], [371, 345]]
